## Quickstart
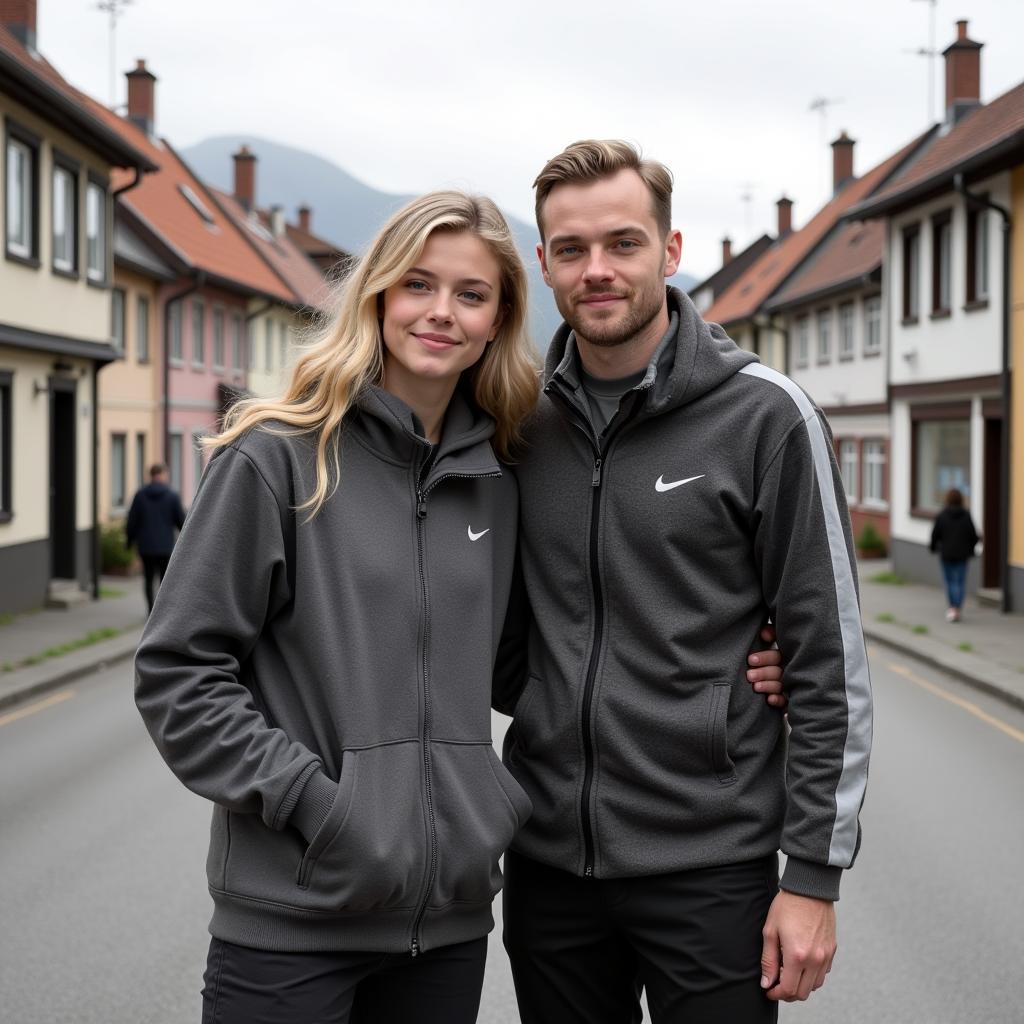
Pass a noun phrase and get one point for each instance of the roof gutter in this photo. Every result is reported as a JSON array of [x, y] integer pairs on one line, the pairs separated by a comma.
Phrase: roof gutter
[[983, 202]]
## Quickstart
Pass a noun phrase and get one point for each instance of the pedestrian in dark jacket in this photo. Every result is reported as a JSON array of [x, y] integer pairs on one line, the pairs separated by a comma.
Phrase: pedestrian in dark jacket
[[954, 539], [154, 520]]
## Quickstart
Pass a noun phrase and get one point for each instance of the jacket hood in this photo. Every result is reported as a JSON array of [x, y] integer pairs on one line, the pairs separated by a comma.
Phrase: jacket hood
[[155, 490], [693, 358], [394, 431]]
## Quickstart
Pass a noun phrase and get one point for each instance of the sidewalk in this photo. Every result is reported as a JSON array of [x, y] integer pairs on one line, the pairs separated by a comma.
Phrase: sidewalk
[[985, 650]]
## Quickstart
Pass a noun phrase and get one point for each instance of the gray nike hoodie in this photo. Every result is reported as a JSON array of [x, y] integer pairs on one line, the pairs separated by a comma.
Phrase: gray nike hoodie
[[326, 683], [651, 558]]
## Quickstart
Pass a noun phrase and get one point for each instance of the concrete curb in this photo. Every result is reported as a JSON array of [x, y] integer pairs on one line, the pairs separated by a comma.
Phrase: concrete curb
[[997, 681], [56, 672]]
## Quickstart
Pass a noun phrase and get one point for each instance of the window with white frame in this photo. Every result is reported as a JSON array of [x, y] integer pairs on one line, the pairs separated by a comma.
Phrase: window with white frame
[[846, 349], [65, 219], [848, 468], [198, 333], [911, 272], [873, 472], [177, 351], [197, 458], [96, 232], [174, 461], [22, 162], [140, 460], [873, 325], [803, 341], [977, 255], [218, 338], [825, 336], [268, 344], [250, 342], [118, 444], [6, 379], [142, 329], [942, 258], [941, 459], [117, 307], [283, 343]]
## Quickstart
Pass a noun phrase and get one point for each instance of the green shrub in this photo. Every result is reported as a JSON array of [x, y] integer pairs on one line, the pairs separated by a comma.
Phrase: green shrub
[[115, 555], [870, 541]]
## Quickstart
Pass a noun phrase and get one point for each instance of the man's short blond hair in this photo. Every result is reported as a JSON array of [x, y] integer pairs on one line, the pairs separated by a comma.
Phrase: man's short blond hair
[[593, 159]]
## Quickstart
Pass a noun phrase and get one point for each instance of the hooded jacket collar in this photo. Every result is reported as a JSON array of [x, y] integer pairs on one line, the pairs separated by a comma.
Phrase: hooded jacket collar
[[692, 359], [389, 428]]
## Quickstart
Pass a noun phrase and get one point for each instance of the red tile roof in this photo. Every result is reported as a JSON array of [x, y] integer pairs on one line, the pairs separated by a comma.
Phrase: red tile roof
[[288, 261], [47, 92], [202, 237], [979, 134], [748, 293]]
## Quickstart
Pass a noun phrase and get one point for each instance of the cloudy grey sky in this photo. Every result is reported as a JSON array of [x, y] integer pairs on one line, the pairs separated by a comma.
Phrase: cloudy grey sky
[[410, 96]]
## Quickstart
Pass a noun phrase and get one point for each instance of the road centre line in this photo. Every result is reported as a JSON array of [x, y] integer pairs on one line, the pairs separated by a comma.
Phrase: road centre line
[[967, 706], [41, 705]]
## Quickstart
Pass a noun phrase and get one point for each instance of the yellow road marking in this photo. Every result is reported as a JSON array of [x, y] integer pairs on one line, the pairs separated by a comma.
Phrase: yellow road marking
[[973, 709], [31, 709]]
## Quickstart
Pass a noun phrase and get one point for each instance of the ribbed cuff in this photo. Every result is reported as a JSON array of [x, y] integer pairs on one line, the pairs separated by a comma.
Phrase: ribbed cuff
[[313, 805], [806, 878]]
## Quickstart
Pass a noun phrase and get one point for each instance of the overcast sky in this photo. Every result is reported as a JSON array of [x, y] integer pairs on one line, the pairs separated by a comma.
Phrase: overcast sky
[[409, 96]]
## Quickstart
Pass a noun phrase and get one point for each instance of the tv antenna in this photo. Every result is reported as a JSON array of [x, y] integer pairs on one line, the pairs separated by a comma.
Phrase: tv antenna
[[747, 199], [819, 105], [931, 53], [114, 8]]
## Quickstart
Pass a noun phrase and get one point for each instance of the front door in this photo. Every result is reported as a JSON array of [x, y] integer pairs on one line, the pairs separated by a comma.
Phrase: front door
[[63, 461]]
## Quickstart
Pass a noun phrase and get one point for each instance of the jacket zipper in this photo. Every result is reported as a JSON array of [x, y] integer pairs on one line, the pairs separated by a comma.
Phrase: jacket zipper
[[596, 481]]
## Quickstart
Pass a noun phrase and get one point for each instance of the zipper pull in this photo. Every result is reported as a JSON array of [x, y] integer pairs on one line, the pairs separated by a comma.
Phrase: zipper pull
[[421, 506], [588, 871], [414, 949], [596, 480]]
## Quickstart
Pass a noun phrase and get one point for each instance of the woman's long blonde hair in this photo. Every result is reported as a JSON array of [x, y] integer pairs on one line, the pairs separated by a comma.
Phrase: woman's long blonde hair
[[347, 354]]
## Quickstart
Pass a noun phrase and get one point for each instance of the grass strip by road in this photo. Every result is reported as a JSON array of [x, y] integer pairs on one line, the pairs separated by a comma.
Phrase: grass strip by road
[[94, 636]]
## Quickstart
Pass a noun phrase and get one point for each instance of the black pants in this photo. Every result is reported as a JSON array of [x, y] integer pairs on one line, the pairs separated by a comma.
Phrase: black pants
[[583, 949], [252, 986], [153, 565]]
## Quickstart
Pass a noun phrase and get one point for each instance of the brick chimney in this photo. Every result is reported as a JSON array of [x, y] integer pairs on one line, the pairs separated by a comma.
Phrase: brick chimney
[[142, 97], [19, 18], [726, 250], [842, 161], [245, 178], [306, 218], [963, 75], [785, 207]]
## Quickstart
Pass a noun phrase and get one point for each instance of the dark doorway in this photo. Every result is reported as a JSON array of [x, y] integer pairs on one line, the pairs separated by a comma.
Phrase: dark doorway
[[992, 559], [63, 460]]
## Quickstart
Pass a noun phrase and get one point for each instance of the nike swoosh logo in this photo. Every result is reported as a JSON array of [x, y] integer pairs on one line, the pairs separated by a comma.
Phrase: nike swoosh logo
[[476, 536], [660, 486]]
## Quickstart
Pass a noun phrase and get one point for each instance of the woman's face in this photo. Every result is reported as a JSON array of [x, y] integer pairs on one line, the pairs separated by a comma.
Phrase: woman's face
[[439, 317]]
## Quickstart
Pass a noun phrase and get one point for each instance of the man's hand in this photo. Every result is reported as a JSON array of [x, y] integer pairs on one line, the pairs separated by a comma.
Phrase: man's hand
[[765, 671], [799, 945]]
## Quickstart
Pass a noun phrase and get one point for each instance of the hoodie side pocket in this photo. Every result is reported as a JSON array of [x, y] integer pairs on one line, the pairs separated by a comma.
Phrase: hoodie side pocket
[[333, 823], [718, 734]]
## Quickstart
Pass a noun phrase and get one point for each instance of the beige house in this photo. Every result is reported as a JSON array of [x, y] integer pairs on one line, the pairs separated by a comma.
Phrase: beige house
[[56, 274]]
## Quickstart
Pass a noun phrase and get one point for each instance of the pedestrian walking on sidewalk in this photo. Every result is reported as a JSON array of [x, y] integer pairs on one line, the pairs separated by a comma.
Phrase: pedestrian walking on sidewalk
[[954, 539], [154, 519]]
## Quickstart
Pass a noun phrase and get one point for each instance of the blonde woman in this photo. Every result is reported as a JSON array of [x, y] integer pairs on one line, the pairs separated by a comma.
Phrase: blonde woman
[[319, 659]]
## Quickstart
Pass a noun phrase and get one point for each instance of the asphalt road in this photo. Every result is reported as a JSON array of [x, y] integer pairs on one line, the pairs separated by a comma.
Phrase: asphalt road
[[105, 907]]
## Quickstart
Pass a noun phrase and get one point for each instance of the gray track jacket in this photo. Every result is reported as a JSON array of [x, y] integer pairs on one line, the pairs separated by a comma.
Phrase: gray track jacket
[[326, 684], [651, 559]]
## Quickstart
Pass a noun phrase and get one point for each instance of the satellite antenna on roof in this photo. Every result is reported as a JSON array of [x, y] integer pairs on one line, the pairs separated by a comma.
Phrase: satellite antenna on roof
[[931, 53], [115, 8]]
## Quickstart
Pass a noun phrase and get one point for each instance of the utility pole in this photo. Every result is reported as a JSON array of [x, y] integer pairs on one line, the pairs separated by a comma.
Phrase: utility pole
[[114, 8]]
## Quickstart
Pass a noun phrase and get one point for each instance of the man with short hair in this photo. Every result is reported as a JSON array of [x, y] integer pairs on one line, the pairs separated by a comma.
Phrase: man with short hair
[[154, 518], [675, 493]]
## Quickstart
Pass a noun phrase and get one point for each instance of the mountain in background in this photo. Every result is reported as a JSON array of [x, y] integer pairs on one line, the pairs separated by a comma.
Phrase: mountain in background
[[345, 210]]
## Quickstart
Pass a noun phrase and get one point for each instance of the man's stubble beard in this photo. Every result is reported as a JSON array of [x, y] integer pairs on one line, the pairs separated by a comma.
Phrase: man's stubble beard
[[616, 332]]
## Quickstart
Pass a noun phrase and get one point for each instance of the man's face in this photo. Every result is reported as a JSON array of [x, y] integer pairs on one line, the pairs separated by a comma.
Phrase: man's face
[[605, 258]]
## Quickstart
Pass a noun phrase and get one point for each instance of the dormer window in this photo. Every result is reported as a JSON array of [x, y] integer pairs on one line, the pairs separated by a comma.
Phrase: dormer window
[[197, 204]]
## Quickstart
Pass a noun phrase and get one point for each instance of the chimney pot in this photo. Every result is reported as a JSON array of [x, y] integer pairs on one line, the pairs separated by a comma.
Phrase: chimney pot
[[277, 220], [245, 178], [963, 74], [785, 208], [842, 161], [726, 250], [19, 18], [142, 97], [305, 218]]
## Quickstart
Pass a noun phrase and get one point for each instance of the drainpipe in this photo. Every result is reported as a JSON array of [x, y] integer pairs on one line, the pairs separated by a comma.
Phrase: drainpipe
[[980, 202], [198, 281], [95, 554]]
